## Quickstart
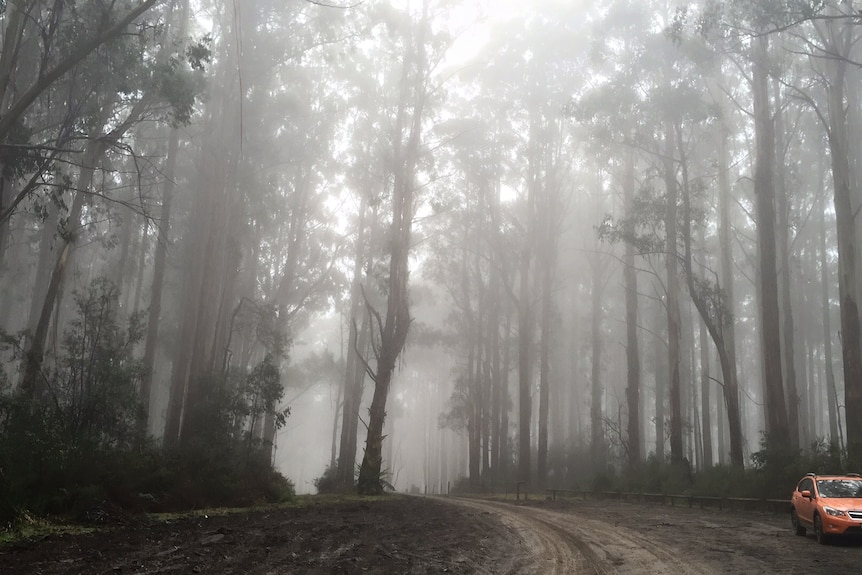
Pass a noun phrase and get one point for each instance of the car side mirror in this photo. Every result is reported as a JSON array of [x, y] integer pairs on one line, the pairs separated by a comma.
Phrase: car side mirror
[[806, 494]]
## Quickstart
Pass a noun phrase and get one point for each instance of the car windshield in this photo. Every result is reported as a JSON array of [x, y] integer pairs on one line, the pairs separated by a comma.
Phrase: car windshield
[[840, 487]]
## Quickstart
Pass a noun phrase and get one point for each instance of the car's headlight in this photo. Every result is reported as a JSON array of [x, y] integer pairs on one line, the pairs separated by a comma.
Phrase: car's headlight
[[833, 512]]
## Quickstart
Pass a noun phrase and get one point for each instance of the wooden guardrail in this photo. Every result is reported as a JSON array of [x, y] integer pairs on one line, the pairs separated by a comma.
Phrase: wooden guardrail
[[699, 501]]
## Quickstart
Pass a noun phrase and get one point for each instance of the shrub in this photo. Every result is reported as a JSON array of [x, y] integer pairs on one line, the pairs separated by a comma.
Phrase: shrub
[[79, 446], [328, 482]]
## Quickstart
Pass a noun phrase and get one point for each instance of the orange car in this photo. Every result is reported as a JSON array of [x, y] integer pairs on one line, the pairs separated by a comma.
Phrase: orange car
[[829, 504]]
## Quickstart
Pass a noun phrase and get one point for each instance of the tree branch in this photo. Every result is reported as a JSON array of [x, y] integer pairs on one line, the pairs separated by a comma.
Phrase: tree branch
[[19, 106]]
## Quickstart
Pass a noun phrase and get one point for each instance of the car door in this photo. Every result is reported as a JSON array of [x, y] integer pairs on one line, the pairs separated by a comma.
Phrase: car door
[[804, 505]]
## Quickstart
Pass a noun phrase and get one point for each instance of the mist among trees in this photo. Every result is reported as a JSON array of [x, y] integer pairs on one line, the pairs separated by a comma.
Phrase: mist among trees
[[255, 247]]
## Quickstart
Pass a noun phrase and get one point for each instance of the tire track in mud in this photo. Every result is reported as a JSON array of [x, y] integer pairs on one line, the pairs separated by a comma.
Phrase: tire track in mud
[[621, 549], [554, 551], [569, 543]]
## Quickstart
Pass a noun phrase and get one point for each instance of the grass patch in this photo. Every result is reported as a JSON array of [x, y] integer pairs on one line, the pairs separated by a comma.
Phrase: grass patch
[[298, 502], [28, 527]]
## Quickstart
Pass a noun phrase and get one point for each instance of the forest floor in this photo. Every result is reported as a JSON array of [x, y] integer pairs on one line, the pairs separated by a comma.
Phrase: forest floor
[[439, 535]]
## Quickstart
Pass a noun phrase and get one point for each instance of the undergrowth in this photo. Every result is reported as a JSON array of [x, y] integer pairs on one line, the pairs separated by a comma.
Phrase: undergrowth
[[74, 446]]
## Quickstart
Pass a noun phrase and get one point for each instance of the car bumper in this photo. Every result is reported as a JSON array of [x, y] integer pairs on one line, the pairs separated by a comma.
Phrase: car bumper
[[839, 526]]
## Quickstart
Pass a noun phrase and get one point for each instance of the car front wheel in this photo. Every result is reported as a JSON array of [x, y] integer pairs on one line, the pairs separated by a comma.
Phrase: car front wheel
[[794, 519], [822, 538]]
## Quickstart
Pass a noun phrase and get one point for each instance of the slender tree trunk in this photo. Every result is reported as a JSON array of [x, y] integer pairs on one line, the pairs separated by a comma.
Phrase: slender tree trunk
[[633, 375], [661, 385], [778, 430], [714, 313], [370, 471], [526, 322], [16, 18], [597, 429], [548, 261], [782, 208], [473, 372], [121, 266], [525, 379], [482, 380], [851, 330], [695, 406], [544, 391], [333, 441], [705, 409], [831, 389], [159, 265], [485, 406], [505, 398], [143, 248], [720, 429], [805, 385], [497, 378], [727, 326], [43, 266], [352, 385], [672, 302], [5, 200]]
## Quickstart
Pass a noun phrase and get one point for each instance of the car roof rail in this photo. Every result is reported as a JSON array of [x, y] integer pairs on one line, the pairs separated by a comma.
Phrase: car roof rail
[[809, 474], [853, 475]]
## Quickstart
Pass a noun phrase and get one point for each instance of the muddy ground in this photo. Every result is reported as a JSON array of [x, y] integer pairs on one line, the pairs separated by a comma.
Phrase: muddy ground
[[395, 535], [430, 535]]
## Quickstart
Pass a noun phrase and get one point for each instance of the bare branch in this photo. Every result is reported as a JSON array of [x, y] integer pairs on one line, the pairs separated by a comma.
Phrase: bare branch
[[371, 373]]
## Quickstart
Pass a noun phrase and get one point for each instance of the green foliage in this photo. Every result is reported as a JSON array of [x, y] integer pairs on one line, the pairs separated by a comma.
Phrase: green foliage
[[657, 476], [644, 229], [263, 391], [232, 408], [199, 53], [459, 407], [179, 81], [328, 482], [95, 391], [723, 481], [776, 470], [54, 448], [462, 485], [772, 474], [79, 447], [763, 15], [17, 157], [200, 475]]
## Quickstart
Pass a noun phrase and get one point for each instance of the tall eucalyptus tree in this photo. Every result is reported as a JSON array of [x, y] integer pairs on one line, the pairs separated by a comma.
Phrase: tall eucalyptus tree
[[838, 45], [391, 326]]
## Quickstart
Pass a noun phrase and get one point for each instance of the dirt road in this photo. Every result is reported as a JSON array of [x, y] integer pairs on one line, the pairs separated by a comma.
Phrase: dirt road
[[424, 535], [632, 538]]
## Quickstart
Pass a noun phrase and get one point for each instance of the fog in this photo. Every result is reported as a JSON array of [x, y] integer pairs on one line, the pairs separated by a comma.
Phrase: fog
[[437, 245]]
